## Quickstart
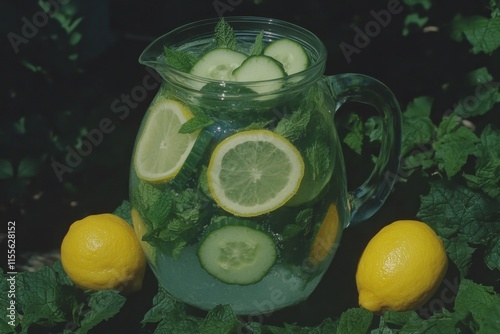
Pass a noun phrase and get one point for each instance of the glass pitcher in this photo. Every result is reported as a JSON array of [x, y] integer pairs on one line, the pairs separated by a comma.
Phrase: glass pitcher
[[238, 187]]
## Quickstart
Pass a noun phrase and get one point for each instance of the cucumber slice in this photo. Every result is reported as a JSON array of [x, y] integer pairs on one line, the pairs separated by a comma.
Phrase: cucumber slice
[[218, 64], [237, 254], [289, 53], [260, 68], [193, 159]]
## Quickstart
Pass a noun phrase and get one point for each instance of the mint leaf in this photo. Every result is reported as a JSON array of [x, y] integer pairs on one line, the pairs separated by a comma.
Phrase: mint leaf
[[258, 45], [487, 177], [440, 323], [173, 216], [453, 145], [462, 217], [196, 123], [293, 126], [355, 320], [354, 138], [102, 305], [418, 128], [426, 4], [154, 204], [171, 316], [327, 326], [6, 169], [179, 60], [124, 211], [224, 35], [492, 255], [481, 301], [479, 103], [163, 304], [399, 318], [220, 319], [318, 154], [413, 21], [459, 252], [479, 76], [45, 299], [483, 33]]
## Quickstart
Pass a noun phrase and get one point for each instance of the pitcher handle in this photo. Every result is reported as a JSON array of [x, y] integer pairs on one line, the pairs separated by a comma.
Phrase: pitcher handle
[[369, 197]]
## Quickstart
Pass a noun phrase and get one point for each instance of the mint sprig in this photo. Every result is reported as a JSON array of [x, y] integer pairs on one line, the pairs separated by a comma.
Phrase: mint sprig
[[180, 60], [224, 35]]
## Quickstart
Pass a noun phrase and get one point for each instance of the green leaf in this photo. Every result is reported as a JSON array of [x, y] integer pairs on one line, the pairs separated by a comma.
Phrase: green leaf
[[179, 60], [44, 299], [124, 211], [6, 169], [102, 305], [399, 318], [318, 155], [487, 177], [462, 217], [154, 204], [459, 252], [196, 123], [163, 304], [221, 319], [426, 4], [478, 77], [28, 167], [224, 35], [492, 255], [481, 301], [477, 104], [418, 128], [373, 127], [413, 21], [294, 125], [354, 138], [453, 145], [355, 320], [258, 45], [173, 217], [483, 33]]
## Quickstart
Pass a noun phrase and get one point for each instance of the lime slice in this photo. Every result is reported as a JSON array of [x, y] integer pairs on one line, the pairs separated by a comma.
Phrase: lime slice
[[161, 150], [254, 172]]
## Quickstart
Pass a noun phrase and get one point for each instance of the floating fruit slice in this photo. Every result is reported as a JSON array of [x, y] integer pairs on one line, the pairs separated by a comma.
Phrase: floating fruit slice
[[254, 172], [237, 254], [161, 150], [325, 239]]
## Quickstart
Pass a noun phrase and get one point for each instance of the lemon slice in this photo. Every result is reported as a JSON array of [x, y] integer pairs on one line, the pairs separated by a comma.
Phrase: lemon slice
[[325, 239], [161, 150], [254, 172]]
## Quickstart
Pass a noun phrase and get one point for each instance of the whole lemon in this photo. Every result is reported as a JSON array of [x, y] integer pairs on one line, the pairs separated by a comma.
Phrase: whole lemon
[[102, 252], [401, 267]]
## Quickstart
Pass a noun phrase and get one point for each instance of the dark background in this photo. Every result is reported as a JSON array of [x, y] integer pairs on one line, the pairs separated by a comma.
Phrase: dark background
[[62, 83]]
